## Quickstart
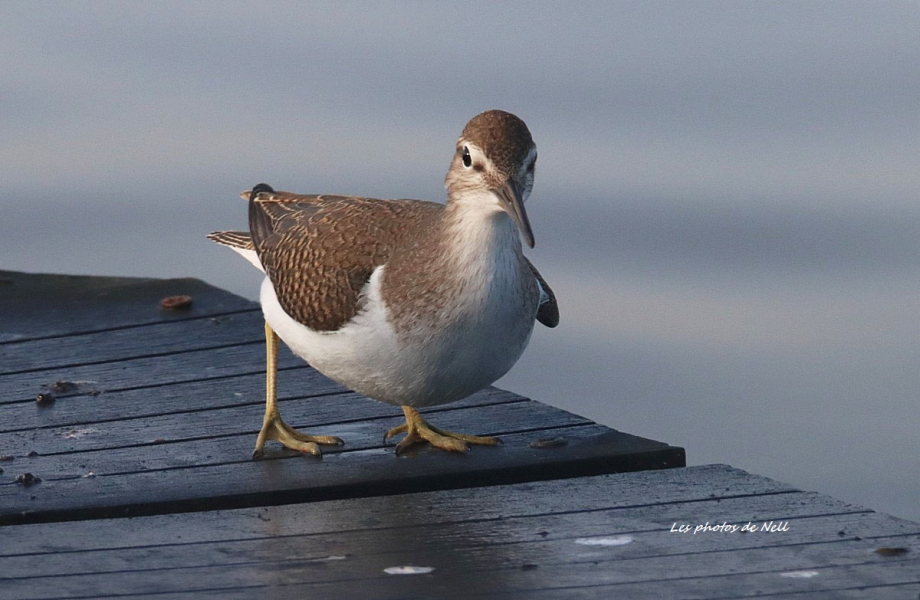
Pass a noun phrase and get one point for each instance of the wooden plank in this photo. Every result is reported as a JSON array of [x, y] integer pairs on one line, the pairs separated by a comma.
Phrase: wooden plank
[[168, 337], [492, 571], [701, 484], [151, 413], [227, 438], [193, 365], [818, 517], [463, 573], [329, 404], [42, 306], [338, 475], [680, 590], [896, 591], [506, 540], [76, 409], [540, 584]]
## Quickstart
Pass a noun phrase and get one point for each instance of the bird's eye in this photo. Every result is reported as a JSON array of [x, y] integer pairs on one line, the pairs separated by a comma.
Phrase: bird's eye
[[467, 159]]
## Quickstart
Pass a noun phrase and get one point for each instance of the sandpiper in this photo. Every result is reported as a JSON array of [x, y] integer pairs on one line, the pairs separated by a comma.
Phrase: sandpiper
[[408, 302]]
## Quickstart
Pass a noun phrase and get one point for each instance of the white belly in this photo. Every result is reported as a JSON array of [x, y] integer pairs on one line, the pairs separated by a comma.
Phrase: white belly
[[423, 368]]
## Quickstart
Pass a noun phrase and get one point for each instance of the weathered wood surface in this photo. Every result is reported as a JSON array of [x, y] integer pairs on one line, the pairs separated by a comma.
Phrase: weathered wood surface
[[42, 306], [156, 415], [140, 341], [594, 537]]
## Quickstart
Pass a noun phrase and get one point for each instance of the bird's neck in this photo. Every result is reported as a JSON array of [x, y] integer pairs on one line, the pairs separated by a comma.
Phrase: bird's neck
[[475, 229], [465, 265]]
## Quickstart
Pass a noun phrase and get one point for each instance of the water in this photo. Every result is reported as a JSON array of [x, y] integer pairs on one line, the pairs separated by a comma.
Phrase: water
[[726, 197]]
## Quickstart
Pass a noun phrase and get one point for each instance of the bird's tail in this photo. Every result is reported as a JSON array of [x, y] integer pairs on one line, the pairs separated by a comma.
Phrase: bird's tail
[[234, 239]]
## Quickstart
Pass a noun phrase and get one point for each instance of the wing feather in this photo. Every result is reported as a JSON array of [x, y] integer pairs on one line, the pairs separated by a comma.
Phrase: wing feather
[[548, 312], [320, 250]]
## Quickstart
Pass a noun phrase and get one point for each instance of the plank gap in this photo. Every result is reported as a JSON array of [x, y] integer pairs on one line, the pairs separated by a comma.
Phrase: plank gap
[[109, 361], [789, 594], [448, 524], [504, 592], [330, 451], [465, 547], [254, 432], [127, 326], [163, 414], [151, 386]]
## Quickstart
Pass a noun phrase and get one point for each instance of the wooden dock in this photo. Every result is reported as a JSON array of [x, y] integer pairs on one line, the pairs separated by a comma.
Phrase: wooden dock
[[151, 414]]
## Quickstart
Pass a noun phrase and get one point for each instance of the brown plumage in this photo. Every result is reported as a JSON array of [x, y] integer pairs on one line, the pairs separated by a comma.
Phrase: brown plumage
[[502, 136], [409, 302], [321, 249]]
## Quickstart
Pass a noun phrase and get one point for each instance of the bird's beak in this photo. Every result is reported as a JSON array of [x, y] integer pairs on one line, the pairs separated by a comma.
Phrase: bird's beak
[[511, 198]]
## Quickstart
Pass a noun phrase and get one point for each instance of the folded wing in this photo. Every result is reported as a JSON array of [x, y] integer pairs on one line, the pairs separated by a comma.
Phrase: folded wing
[[548, 313], [320, 250]]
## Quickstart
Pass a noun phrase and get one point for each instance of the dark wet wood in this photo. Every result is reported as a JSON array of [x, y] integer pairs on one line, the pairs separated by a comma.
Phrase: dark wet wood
[[160, 416], [160, 425], [172, 337], [42, 306], [525, 540]]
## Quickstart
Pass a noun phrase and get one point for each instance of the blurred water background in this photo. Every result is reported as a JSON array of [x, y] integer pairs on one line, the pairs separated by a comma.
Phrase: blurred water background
[[726, 199]]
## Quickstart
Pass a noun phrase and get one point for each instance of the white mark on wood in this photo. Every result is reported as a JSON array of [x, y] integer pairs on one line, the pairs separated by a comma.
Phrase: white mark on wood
[[799, 574], [620, 540], [74, 434], [89, 475], [408, 570]]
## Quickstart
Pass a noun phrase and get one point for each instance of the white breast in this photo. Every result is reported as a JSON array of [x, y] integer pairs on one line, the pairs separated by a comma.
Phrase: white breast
[[362, 355], [479, 341]]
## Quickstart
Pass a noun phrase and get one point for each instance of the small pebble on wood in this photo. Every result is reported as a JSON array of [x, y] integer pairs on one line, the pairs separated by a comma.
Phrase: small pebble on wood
[[546, 443], [620, 540], [176, 302], [27, 479], [45, 399], [799, 574], [62, 387], [891, 551], [408, 570]]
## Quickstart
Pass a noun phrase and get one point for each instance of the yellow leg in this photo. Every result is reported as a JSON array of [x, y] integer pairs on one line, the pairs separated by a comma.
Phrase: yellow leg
[[418, 431], [273, 428]]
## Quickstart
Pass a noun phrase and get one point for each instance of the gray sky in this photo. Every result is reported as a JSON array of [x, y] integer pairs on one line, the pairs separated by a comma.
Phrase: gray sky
[[726, 200]]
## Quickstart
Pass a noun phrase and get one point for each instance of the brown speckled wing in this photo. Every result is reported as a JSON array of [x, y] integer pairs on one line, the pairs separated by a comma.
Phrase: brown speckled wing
[[548, 313], [234, 239], [320, 251]]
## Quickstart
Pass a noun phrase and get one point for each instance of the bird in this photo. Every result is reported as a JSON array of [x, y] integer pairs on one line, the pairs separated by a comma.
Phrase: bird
[[409, 302]]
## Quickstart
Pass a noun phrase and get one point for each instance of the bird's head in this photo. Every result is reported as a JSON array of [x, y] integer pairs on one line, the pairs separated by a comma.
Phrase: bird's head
[[494, 163]]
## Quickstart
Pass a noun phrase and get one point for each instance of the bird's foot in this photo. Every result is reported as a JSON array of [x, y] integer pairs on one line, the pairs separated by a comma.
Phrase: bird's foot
[[273, 428], [418, 431]]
